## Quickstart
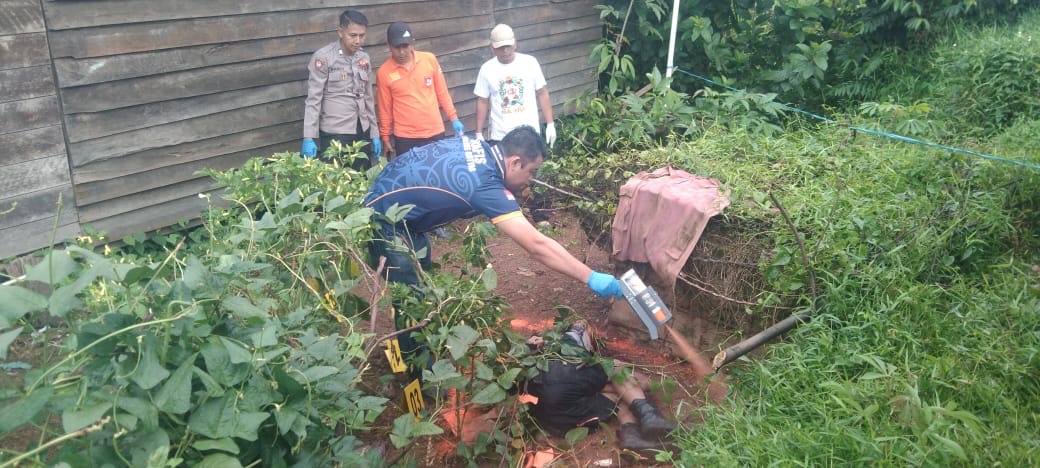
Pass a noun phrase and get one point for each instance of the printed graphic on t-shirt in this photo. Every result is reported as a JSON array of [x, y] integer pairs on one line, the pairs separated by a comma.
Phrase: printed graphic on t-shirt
[[511, 94]]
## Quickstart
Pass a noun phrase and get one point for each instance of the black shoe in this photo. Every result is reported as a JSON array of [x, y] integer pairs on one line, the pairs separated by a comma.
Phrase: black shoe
[[442, 233], [629, 438], [651, 423]]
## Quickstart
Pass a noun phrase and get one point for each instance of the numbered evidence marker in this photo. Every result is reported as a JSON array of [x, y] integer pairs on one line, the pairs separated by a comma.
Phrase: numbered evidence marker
[[393, 356], [413, 398]]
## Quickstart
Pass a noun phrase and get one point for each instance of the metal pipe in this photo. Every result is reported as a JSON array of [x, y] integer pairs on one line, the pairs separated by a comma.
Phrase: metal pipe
[[671, 39], [731, 353]]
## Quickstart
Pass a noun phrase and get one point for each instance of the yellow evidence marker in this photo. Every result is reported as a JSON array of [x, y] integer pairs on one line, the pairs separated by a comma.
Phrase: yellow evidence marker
[[393, 356], [413, 398]]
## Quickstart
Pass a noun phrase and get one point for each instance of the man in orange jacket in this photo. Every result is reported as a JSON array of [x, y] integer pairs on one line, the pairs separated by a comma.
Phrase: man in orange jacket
[[410, 89]]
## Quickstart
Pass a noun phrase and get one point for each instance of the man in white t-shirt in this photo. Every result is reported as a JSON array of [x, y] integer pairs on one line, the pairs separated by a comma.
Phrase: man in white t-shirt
[[511, 86]]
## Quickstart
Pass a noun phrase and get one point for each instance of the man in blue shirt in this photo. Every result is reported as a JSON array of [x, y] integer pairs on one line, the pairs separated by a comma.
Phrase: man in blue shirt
[[463, 178]]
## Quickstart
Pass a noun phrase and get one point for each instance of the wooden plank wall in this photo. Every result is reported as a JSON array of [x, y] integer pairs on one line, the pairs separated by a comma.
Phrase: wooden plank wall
[[34, 170], [154, 90]]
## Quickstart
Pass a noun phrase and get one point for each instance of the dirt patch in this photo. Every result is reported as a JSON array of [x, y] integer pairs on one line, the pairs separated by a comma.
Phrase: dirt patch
[[534, 292]]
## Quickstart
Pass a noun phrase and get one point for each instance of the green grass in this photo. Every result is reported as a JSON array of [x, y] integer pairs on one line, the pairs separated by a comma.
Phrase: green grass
[[925, 350]]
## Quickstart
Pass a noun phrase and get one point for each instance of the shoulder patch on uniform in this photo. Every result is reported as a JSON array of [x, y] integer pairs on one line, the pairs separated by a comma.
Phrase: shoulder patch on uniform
[[319, 64], [509, 195]]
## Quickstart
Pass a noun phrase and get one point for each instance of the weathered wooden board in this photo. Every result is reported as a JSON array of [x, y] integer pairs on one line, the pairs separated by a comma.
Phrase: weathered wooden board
[[32, 144], [78, 72], [35, 235], [585, 30], [213, 125], [82, 14], [26, 83], [201, 149], [42, 204], [518, 17], [164, 194], [151, 218], [20, 16], [140, 184], [130, 38], [29, 114], [24, 50], [188, 83], [31, 176], [90, 125]]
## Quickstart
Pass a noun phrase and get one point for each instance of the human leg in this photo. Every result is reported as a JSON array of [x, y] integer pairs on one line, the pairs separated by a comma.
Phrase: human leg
[[651, 422]]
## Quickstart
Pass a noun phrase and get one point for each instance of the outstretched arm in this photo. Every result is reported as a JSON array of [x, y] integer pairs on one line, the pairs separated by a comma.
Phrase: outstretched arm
[[544, 249]]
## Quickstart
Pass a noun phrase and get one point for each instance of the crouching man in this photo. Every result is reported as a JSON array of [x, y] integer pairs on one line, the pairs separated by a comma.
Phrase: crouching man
[[574, 394]]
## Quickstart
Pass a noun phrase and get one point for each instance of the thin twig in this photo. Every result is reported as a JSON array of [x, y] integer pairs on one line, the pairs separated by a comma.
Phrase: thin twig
[[570, 194], [80, 433], [683, 277], [375, 342]]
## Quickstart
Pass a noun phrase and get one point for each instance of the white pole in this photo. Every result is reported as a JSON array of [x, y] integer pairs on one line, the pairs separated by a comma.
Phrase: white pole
[[671, 39]]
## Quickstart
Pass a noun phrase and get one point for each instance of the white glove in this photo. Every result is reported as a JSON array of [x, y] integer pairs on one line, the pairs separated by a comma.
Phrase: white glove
[[480, 136], [550, 133]]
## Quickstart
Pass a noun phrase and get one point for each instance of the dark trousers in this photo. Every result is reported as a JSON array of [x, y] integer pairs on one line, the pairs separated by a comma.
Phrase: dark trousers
[[359, 164], [400, 268], [403, 145]]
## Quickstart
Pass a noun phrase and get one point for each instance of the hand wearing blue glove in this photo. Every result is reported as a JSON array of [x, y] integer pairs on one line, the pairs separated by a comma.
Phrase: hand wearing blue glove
[[377, 148], [458, 127], [605, 285], [309, 149]]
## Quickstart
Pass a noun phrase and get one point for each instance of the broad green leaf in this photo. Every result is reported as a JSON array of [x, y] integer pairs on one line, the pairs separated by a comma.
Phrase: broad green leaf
[[16, 301], [316, 373], [459, 340], [137, 274], [292, 198], [194, 274], [576, 435], [266, 336], [64, 299], [483, 371], [219, 460], [508, 378], [144, 410], [219, 418], [285, 418], [224, 445], [490, 394], [55, 267], [215, 418], [21, 411], [237, 353], [288, 386], [149, 371], [266, 222], [241, 307], [440, 371], [75, 419], [490, 278], [6, 338], [405, 429], [175, 395], [334, 203], [247, 424], [148, 446]]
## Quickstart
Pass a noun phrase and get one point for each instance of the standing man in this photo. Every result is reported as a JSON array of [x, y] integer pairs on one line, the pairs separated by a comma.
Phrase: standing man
[[340, 103], [512, 87], [462, 178], [410, 88]]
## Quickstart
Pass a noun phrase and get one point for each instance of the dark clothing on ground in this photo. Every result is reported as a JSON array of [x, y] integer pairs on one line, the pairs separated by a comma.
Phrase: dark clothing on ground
[[570, 396]]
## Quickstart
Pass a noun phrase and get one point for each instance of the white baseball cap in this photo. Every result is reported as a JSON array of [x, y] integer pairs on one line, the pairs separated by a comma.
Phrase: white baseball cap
[[502, 35]]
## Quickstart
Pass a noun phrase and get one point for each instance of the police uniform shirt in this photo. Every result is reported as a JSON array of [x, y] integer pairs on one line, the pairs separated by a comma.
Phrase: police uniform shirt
[[447, 180], [339, 93]]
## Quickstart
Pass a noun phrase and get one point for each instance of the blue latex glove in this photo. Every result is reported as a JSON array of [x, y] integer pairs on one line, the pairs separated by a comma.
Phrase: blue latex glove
[[309, 149], [458, 127], [377, 147], [605, 285]]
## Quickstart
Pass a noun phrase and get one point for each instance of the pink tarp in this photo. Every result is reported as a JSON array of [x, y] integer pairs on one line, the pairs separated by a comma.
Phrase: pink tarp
[[660, 217]]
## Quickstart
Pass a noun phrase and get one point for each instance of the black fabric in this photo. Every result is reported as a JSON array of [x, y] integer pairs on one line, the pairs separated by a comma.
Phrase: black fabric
[[569, 396], [403, 145]]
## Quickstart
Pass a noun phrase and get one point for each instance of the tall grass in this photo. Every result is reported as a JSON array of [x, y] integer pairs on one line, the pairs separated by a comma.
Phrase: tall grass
[[926, 350]]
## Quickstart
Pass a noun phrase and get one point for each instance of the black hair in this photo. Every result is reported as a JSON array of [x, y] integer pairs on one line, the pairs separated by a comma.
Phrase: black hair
[[352, 16], [525, 142]]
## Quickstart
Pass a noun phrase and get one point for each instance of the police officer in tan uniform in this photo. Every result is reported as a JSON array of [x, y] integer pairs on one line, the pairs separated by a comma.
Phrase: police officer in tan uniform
[[340, 101]]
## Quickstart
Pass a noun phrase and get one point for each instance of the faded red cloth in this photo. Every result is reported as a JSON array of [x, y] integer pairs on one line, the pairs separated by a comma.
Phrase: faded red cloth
[[660, 217]]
